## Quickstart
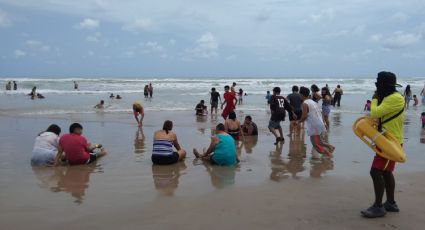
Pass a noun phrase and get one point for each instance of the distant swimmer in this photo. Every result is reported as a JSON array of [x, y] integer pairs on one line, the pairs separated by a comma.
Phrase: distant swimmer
[[9, 86], [78, 150], [111, 96], [118, 97], [15, 85], [388, 106], [230, 101], [33, 92], [268, 97], [215, 97], [316, 128], [46, 147], [150, 90], [163, 142], [367, 105], [222, 149], [337, 95], [138, 110], [101, 105], [75, 85]]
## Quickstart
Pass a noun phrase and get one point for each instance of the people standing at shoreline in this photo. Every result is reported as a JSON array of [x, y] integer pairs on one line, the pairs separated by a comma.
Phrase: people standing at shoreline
[[240, 96], [15, 85], [233, 88], [76, 148], [150, 89], [279, 105], [423, 95], [163, 142], [215, 97], [233, 126], [337, 95], [46, 146], [75, 85], [138, 110], [146, 91], [407, 96], [295, 101], [315, 126], [222, 149], [9, 86], [268, 97], [326, 105], [230, 102], [388, 107]]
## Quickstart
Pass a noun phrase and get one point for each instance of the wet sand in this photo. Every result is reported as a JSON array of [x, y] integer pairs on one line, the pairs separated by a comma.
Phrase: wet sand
[[274, 187]]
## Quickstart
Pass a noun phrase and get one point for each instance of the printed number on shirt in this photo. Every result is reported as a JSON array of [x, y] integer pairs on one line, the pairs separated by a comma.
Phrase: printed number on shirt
[[281, 102]]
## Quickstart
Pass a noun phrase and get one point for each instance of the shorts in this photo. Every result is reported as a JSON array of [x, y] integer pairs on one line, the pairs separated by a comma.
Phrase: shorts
[[274, 125], [299, 114], [214, 104], [383, 164], [93, 157], [227, 111], [319, 144], [165, 159], [136, 111]]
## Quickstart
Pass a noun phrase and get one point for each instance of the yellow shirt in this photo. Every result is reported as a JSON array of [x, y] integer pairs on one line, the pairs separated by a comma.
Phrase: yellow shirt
[[390, 106]]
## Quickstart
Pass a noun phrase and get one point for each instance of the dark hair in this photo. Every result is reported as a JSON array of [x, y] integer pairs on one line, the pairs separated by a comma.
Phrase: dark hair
[[168, 126], [220, 127], [226, 87], [75, 126], [407, 90], [54, 129], [314, 88], [385, 85], [232, 116], [268, 91], [294, 88], [326, 91], [249, 118], [234, 83], [212, 89], [241, 90], [102, 102], [276, 90], [423, 114], [304, 91], [338, 86], [368, 101], [202, 101], [414, 95]]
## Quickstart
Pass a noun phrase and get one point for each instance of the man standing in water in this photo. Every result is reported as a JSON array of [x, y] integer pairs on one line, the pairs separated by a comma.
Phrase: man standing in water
[[230, 101], [337, 94], [75, 85], [215, 96], [388, 106], [150, 90], [295, 101], [233, 88], [278, 106], [15, 85]]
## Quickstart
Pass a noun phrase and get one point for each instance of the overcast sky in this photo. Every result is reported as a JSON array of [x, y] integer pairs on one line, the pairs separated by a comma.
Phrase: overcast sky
[[193, 38]]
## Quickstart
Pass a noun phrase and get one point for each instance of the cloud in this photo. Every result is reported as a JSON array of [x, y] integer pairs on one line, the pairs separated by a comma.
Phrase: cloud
[[5, 20], [19, 53], [139, 24], [88, 23], [206, 47], [399, 17], [401, 39], [324, 15], [375, 38], [154, 48], [94, 38], [230, 57], [36, 46], [90, 53]]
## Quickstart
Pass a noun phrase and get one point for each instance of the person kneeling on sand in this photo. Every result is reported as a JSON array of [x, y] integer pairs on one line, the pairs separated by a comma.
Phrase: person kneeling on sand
[[46, 146], [163, 142], [75, 149], [222, 149], [315, 125]]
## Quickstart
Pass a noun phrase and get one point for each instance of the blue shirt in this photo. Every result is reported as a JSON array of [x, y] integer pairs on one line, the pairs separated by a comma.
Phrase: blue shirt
[[225, 150]]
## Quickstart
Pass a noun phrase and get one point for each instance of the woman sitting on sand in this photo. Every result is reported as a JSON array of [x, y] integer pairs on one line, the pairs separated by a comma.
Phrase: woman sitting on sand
[[163, 142], [222, 149], [233, 126], [46, 146]]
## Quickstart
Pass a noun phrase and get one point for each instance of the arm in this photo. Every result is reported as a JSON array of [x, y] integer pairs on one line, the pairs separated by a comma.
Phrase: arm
[[58, 157], [136, 116], [305, 113], [214, 141], [385, 108], [290, 110], [219, 97], [176, 143]]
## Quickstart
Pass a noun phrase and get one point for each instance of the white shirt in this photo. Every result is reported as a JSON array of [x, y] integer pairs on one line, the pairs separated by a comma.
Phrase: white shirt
[[315, 124]]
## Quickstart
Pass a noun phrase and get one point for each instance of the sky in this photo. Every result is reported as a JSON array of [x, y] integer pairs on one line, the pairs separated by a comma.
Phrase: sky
[[220, 38]]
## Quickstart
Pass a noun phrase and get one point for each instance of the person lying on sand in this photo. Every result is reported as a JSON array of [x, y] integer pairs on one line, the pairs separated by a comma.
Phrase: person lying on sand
[[222, 149]]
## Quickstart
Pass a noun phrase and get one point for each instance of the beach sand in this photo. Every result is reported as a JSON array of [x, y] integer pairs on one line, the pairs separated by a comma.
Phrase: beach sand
[[273, 188]]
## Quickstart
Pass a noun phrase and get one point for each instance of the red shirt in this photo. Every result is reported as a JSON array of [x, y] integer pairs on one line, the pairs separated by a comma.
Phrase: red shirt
[[229, 98], [75, 148]]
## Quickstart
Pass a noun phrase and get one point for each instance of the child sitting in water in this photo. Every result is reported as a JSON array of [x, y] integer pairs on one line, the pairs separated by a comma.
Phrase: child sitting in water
[[415, 100], [423, 120], [367, 105]]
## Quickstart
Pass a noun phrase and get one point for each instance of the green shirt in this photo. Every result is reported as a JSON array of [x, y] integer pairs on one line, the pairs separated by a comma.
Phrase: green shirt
[[390, 106]]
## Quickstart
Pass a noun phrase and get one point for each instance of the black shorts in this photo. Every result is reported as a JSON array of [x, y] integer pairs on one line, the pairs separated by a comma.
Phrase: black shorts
[[165, 159], [214, 104], [299, 113]]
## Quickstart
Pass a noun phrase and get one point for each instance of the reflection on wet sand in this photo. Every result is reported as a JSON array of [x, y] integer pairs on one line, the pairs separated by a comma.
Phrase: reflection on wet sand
[[319, 166], [221, 176], [296, 158], [166, 177], [249, 142], [422, 139], [73, 180], [336, 119], [139, 142]]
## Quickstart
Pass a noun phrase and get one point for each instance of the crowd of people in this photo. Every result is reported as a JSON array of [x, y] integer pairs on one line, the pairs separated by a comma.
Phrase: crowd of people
[[305, 107]]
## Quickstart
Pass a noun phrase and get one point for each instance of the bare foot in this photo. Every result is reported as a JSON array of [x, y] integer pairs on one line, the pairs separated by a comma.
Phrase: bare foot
[[196, 153]]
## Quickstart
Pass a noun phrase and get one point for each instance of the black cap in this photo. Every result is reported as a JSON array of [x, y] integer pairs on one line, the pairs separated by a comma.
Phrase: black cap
[[387, 78]]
